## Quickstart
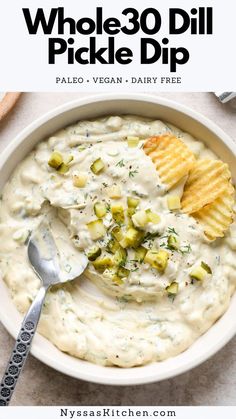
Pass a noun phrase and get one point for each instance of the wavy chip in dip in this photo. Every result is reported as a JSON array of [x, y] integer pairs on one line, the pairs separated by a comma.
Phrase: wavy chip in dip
[[139, 198]]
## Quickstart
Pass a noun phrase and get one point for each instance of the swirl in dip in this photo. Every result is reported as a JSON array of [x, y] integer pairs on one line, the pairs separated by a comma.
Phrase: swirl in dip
[[105, 198]]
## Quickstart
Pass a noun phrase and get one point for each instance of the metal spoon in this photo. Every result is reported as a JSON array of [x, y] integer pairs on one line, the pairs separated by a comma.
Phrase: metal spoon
[[43, 256]]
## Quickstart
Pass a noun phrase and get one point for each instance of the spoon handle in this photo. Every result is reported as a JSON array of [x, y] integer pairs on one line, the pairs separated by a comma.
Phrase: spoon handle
[[21, 348]]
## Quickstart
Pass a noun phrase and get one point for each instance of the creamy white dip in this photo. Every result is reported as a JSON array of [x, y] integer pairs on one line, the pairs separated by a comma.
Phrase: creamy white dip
[[94, 318]]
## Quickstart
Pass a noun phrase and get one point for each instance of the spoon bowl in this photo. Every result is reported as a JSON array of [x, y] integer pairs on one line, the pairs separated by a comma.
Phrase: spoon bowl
[[44, 258], [45, 261]]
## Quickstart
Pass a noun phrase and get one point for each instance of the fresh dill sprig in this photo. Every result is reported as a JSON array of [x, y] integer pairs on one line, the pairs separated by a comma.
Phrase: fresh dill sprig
[[132, 173], [108, 207], [185, 249], [120, 163], [172, 231]]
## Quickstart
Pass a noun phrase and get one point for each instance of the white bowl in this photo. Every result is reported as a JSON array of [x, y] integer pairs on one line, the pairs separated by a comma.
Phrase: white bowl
[[145, 105]]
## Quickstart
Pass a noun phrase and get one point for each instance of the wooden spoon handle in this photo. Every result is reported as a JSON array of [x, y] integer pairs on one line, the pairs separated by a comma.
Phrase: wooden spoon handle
[[7, 103]]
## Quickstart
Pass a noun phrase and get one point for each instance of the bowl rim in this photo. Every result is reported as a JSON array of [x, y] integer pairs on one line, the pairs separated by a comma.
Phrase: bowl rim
[[112, 379], [101, 97]]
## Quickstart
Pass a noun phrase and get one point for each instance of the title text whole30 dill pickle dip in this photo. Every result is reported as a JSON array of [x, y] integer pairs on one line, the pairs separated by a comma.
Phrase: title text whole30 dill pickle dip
[[154, 282]]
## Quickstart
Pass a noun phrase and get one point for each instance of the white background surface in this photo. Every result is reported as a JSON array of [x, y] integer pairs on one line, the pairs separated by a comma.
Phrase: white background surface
[[213, 383], [24, 57]]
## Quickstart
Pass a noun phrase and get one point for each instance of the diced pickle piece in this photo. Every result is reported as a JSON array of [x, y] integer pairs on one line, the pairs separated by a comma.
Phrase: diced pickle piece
[[117, 280], [132, 238], [132, 202], [80, 180], [132, 141], [139, 239], [93, 253], [129, 213], [140, 218], [158, 259], [124, 243], [113, 246], [206, 267], [152, 217], [100, 209], [117, 233], [63, 168], [140, 254], [173, 202], [118, 213], [198, 273], [114, 192], [123, 272], [173, 242], [173, 288], [55, 160], [132, 235], [150, 256], [96, 229], [103, 263], [120, 256], [97, 166]]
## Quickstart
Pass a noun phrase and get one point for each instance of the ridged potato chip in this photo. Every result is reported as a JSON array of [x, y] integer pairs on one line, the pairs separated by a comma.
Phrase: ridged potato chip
[[217, 216], [172, 158], [208, 179]]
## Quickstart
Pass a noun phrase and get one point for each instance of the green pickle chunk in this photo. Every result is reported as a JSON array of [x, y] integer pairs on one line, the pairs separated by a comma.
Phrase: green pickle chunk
[[117, 233], [132, 202], [100, 209], [140, 254], [103, 263], [173, 288], [64, 168], [132, 238], [118, 213], [96, 229], [123, 272], [158, 259], [93, 253], [206, 267], [173, 242], [55, 160], [113, 245], [120, 256], [97, 166]]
